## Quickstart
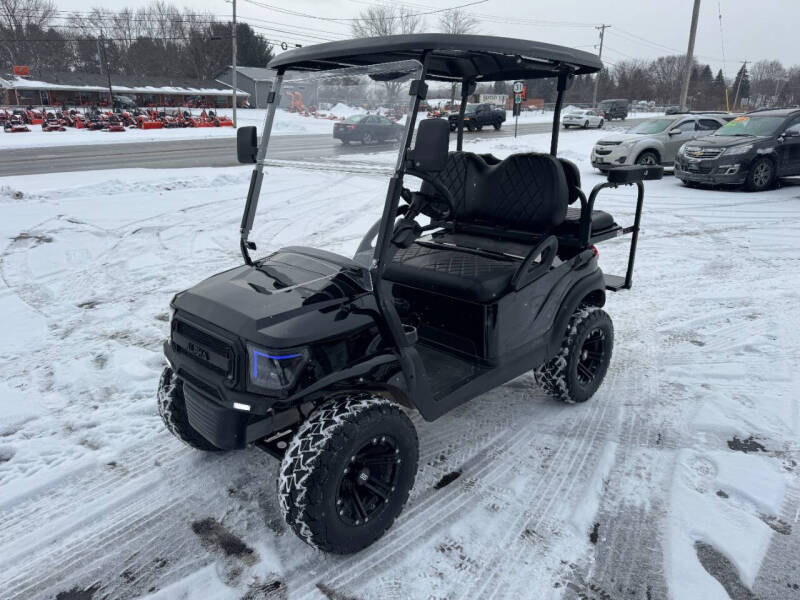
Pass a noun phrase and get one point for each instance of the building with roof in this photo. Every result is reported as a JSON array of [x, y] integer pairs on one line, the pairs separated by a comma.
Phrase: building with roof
[[254, 80], [86, 89]]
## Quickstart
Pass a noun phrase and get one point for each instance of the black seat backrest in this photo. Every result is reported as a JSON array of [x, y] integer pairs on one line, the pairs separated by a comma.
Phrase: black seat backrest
[[524, 192], [573, 176]]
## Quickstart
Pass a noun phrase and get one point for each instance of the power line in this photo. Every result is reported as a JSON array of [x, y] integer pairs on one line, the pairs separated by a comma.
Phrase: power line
[[295, 13]]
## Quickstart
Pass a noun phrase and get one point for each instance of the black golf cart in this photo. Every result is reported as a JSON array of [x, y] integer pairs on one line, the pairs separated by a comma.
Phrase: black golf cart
[[482, 273]]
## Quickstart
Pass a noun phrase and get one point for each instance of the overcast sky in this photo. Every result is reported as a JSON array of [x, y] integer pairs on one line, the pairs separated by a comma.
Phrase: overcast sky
[[753, 30]]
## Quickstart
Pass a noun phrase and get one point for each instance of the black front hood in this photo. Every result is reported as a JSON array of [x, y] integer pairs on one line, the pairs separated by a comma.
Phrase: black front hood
[[280, 301], [723, 141]]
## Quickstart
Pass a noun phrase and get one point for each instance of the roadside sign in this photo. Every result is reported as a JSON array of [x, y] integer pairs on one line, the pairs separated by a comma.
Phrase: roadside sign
[[22, 70], [517, 98], [518, 87]]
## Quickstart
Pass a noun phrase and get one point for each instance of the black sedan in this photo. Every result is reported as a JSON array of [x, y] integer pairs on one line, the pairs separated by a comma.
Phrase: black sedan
[[366, 129]]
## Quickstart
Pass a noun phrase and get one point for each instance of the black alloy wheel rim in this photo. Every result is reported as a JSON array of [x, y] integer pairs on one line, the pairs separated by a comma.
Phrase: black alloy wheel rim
[[592, 356], [369, 481]]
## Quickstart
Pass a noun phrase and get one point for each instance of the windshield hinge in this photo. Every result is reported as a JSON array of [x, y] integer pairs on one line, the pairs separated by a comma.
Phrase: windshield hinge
[[419, 89]]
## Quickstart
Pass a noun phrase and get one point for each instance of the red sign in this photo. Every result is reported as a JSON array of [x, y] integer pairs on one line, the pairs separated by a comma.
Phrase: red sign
[[22, 70]]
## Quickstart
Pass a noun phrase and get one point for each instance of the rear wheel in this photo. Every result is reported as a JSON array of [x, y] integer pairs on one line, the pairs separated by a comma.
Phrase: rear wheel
[[761, 175], [586, 124], [367, 138], [172, 408], [347, 473], [470, 127], [600, 124], [647, 158], [479, 127], [574, 374]]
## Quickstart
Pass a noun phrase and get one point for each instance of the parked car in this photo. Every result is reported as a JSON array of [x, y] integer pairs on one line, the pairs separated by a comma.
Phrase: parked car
[[478, 115], [752, 150], [123, 102], [582, 118], [654, 141], [613, 109], [366, 129], [672, 110]]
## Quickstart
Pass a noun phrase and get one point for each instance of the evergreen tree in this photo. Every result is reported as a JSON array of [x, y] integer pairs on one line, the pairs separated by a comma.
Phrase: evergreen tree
[[718, 90]]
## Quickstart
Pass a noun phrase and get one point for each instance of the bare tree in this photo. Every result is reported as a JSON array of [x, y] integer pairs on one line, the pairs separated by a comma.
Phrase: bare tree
[[383, 20], [457, 21]]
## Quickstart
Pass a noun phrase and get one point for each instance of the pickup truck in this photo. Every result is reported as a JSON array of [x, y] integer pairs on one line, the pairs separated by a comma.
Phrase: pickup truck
[[478, 115]]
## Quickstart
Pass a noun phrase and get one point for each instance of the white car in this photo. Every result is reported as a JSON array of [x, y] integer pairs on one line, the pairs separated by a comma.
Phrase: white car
[[582, 118]]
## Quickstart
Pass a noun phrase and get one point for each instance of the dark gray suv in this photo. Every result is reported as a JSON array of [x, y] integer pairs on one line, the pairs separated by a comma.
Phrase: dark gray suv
[[752, 150]]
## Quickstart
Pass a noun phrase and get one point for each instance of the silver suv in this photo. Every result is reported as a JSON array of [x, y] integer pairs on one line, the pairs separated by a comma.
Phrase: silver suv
[[654, 141]]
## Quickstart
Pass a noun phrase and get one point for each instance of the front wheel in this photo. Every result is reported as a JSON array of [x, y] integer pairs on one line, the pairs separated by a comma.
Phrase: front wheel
[[586, 124], [761, 175], [600, 124], [172, 408], [367, 139], [647, 158], [574, 374], [347, 473], [497, 125]]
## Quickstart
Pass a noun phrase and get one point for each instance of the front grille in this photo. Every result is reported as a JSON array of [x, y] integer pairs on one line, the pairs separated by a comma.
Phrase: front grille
[[207, 350], [704, 153], [602, 152]]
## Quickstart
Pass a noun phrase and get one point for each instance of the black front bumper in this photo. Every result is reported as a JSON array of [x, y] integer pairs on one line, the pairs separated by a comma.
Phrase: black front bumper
[[708, 172]]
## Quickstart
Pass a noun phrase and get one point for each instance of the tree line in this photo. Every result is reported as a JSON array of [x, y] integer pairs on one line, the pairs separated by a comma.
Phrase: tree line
[[767, 83], [156, 40]]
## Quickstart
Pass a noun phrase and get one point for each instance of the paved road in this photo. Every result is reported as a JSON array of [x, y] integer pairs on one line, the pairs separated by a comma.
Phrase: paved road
[[200, 153]]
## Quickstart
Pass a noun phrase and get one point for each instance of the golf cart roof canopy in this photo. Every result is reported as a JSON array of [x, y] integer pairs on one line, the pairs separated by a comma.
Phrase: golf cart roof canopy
[[450, 57]]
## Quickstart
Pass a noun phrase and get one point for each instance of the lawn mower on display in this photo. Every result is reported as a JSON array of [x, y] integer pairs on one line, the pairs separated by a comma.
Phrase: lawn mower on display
[[479, 275], [15, 124], [52, 122]]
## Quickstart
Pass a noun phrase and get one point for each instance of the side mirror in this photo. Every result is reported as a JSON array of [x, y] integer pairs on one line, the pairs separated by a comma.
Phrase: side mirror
[[790, 133], [675, 131], [246, 145], [431, 147]]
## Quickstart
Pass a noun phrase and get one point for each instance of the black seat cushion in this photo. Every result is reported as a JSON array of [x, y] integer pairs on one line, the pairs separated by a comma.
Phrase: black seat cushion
[[601, 220], [457, 273]]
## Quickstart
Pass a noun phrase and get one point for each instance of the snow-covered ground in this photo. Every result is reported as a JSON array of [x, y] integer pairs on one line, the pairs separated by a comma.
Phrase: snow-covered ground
[[286, 123], [679, 479]]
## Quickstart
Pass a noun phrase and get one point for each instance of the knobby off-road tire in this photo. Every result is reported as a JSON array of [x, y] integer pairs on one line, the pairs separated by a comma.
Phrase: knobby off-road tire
[[172, 408], [574, 374], [347, 473]]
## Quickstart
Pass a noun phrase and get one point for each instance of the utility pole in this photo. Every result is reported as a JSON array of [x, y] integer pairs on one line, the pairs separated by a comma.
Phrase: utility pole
[[233, 76], [687, 75], [602, 29], [101, 54], [739, 85]]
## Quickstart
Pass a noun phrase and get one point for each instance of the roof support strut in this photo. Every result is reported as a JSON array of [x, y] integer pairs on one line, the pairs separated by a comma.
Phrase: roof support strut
[[257, 177], [565, 78]]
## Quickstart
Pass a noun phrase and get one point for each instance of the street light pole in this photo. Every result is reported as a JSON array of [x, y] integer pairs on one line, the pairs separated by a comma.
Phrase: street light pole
[[234, 63]]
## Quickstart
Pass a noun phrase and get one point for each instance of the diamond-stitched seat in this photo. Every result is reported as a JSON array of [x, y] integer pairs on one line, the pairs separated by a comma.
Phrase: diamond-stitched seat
[[459, 273], [525, 193]]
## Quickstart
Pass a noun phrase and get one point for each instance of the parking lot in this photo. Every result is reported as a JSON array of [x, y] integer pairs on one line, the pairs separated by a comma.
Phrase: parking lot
[[694, 433]]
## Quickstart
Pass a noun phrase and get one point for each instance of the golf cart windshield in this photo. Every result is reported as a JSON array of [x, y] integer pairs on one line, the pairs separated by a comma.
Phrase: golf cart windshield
[[337, 160]]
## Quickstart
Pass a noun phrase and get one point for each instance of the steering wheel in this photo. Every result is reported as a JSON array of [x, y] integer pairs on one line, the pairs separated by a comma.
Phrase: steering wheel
[[443, 192]]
